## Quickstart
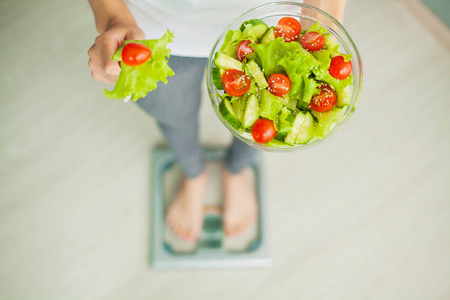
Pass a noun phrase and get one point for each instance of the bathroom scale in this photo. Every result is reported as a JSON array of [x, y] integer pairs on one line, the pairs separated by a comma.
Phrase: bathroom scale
[[213, 249]]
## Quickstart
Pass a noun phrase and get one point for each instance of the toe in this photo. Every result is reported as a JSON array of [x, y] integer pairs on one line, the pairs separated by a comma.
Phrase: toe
[[180, 230], [234, 229], [176, 228], [189, 233], [170, 223], [192, 234], [240, 228], [226, 228], [184, 232]]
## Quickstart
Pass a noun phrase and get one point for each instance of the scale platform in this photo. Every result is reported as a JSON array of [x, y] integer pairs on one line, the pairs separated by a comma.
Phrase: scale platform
[[213, 250]]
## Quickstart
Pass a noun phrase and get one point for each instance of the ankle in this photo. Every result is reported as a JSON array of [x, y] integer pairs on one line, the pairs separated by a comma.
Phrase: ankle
[[227, 174]]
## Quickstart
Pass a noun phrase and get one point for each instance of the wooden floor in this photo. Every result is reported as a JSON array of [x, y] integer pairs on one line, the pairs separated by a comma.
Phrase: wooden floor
[[365, 215]]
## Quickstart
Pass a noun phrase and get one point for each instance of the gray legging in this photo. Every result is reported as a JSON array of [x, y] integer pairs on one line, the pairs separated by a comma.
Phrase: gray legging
[[175, 106]]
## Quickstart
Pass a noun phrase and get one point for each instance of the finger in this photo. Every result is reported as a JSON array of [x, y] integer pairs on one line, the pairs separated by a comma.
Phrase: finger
[[92, 50], [135, 35], [107, 45], [109, 79], [94, 54], [94, 64], [111, 67], [98, 73], [96, 68], [99, 77]]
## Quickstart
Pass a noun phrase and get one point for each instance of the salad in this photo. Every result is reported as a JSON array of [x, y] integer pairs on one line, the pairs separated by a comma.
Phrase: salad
[[281, 85], [142, 64]]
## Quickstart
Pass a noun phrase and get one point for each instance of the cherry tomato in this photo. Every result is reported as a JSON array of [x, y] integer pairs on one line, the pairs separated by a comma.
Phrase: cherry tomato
[[263, 131], [288, 28], [135, 54], [235, 82], [244, 49], [313, 41], [279, 84], [340, 69], [324, 101]]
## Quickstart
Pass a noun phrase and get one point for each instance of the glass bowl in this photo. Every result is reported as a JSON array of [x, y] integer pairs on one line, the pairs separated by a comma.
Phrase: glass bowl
[[271, 13]]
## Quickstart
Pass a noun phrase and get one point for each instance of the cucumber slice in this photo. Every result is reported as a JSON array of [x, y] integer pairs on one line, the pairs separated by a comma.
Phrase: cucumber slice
[[252, 89], [217, 78], [270, 105], [227, 112], [226, 62], [238, 104], [306, 130], [277, 144], [253, 22], [254, 28], [268, 36], [344, 97], [292, 136], [251, 113], [248, 136], [256, 73]]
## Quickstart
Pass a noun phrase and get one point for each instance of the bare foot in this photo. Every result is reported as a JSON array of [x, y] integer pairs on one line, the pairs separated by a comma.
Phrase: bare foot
[[185, 215], [240, 204]]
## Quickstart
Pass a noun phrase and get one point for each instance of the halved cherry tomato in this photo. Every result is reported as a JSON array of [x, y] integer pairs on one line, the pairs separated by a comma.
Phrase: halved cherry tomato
[[324, 101], [135, 54], [263, 131], [340, 69], [288, 28], [313, 41], [244, 49], [235, 82], [279, 84]]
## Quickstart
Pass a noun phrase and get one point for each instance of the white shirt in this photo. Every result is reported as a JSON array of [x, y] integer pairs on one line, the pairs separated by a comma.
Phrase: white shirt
[[196, 24]]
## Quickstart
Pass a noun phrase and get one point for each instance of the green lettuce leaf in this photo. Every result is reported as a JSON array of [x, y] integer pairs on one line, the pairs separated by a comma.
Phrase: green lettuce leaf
[[231, 43], [234, 37], [335, 83], [330, 43], [270, 54], [270, 105], [285, 120], [324, 56], [298, 64], [140, 80], [310, 88], [317, 28]]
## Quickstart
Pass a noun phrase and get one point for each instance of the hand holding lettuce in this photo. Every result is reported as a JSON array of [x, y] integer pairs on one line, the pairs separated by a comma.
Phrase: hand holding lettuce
[[141, 77]]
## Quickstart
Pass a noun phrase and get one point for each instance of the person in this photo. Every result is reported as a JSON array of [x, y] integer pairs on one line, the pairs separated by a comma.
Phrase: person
[[196, 24]]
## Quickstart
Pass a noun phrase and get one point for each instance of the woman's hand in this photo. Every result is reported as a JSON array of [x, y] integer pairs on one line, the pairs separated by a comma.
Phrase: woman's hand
[[334, 8], [102, 67]]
